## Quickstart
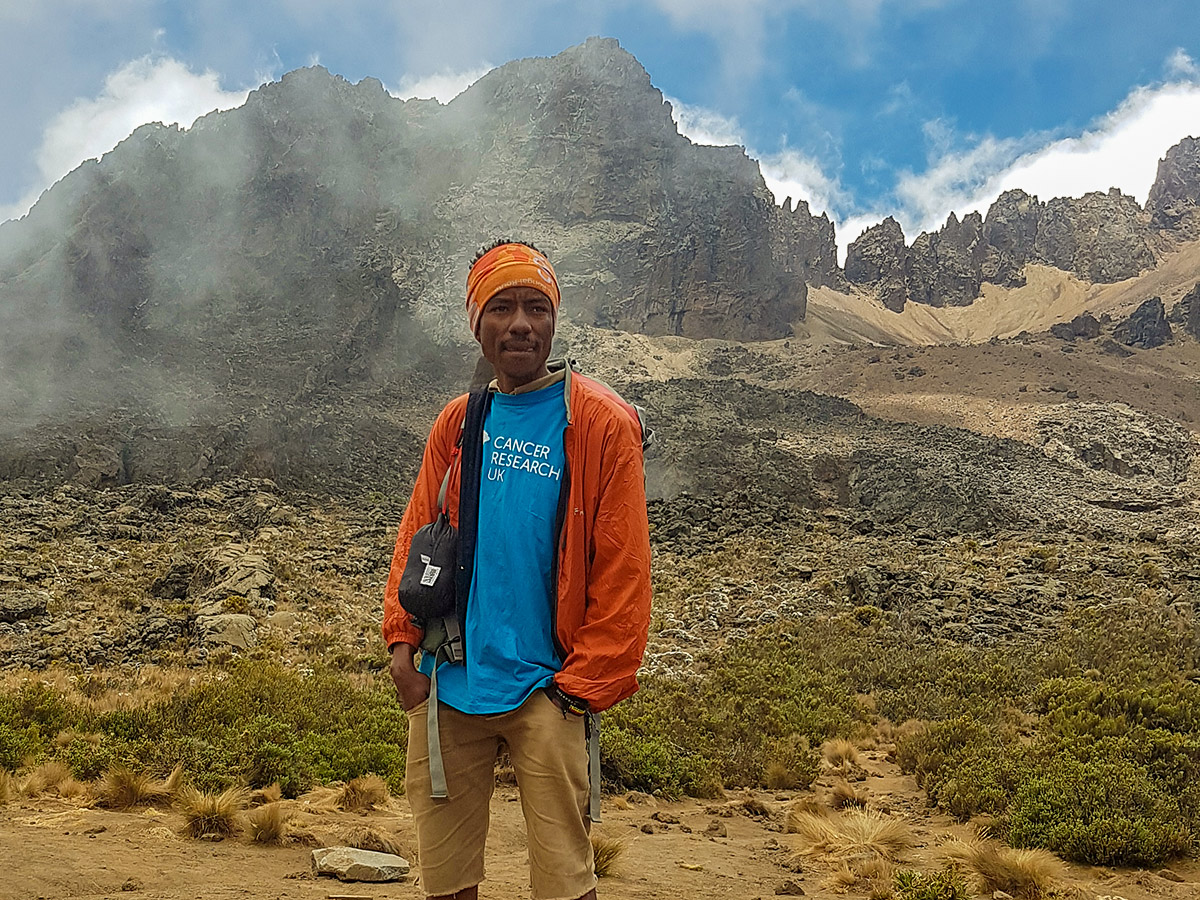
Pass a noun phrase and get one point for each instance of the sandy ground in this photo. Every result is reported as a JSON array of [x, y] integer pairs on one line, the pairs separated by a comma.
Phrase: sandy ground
[[704, 849]]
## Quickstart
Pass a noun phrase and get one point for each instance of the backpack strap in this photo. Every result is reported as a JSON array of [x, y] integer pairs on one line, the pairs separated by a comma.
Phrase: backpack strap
[[444, 636]]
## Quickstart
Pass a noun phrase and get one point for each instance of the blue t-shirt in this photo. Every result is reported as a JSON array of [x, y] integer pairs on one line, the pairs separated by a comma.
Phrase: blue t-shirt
[[510, 622]]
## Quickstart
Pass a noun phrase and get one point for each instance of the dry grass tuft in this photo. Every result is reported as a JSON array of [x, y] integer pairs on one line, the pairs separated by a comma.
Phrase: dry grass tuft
[[8, 787], [839, 753], [802, 806], [857, 834], [211, 813], [842, 879], [272, 793], [909, 728], [1025, 874], [364, 838], [364, 793], [122, 788], [780, 777], [268, 823], [70, 736], [173, 782], [46, 778], [607, 852], [844, 796]]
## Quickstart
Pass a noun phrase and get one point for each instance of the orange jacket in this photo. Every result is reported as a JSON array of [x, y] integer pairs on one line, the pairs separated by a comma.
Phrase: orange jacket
[[603, 612]]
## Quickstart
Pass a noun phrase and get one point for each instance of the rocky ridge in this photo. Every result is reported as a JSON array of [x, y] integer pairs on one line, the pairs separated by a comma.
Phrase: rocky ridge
[[1102, 238]]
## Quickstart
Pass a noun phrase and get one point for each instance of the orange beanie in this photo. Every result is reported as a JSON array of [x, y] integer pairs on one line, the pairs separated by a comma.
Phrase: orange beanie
[[509, 265]]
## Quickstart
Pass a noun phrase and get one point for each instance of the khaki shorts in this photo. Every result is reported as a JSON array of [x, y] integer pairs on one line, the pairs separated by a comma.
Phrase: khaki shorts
[[549, 758]]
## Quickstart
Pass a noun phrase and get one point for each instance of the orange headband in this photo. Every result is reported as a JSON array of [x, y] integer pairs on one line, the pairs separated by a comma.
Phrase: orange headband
[[509, 265]]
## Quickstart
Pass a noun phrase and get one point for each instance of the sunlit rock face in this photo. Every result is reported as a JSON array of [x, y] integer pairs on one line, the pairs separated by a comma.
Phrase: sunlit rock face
[[1175, 194]]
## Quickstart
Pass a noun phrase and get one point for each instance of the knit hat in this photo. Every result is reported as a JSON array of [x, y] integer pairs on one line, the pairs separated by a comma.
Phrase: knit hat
[[505, 266]]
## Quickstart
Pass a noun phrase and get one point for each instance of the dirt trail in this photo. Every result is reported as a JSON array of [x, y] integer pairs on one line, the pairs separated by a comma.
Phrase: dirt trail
[[700, 849]]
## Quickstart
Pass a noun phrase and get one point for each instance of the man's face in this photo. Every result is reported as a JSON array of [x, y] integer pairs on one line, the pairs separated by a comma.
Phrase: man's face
[[516, 329]]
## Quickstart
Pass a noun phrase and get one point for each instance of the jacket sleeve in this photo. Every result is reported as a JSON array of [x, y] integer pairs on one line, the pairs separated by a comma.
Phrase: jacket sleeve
[[602, 663], [421, 510]]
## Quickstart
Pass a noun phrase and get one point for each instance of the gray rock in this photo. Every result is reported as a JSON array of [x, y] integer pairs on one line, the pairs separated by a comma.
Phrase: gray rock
[[878, 258], [227, 630], [1174, 197], [98, 465], [351, 864], [1099, 237], [1146, 328], [1186, 313], [945, 267], [1009, 232], [1084, 325], [16, 606]]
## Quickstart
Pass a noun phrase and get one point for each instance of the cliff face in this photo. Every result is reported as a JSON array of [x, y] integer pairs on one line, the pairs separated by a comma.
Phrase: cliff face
[[200, 301], [319, 197], [1174, 199]]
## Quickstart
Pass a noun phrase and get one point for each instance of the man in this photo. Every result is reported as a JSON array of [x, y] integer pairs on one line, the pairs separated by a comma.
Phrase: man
[[556, 618]]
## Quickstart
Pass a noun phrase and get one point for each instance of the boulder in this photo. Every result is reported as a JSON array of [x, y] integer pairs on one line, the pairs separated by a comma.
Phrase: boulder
[[232, 571], [1146, 328], [352, 864], [234, 630], [16, 606], [1084, 325], [98, 465]]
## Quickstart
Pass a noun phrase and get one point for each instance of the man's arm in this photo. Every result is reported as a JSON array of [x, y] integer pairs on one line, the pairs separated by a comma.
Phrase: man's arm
[[607, 649], [421, 510]]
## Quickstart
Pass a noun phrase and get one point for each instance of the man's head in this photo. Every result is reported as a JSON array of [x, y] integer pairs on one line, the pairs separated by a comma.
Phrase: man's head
[[512, 303]]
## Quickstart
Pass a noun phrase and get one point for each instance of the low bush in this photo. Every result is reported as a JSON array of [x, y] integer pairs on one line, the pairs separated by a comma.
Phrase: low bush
[[944, 884], [1098, 812], [256, 723]]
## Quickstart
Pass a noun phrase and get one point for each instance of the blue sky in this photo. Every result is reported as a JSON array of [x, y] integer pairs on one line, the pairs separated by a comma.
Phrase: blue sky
[[862, 107]]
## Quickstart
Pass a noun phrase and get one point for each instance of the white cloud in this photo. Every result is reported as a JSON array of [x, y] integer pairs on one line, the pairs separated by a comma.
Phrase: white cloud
[[442, 86], [1120, 150], [150, 89], [1181, 67], [705, 126], [788, 173]]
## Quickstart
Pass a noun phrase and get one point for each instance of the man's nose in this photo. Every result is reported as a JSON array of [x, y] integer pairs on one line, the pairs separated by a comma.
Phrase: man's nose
[[520, 321]]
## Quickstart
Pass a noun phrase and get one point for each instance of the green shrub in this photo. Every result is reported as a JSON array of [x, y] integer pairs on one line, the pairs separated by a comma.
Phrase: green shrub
[[944, 884], [1100, 812], [792, 763], [256, 722], [17, 744], [629, 761]]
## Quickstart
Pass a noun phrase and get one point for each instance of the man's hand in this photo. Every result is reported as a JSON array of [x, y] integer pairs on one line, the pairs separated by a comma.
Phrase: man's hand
[[567, 704], [412, 688]]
